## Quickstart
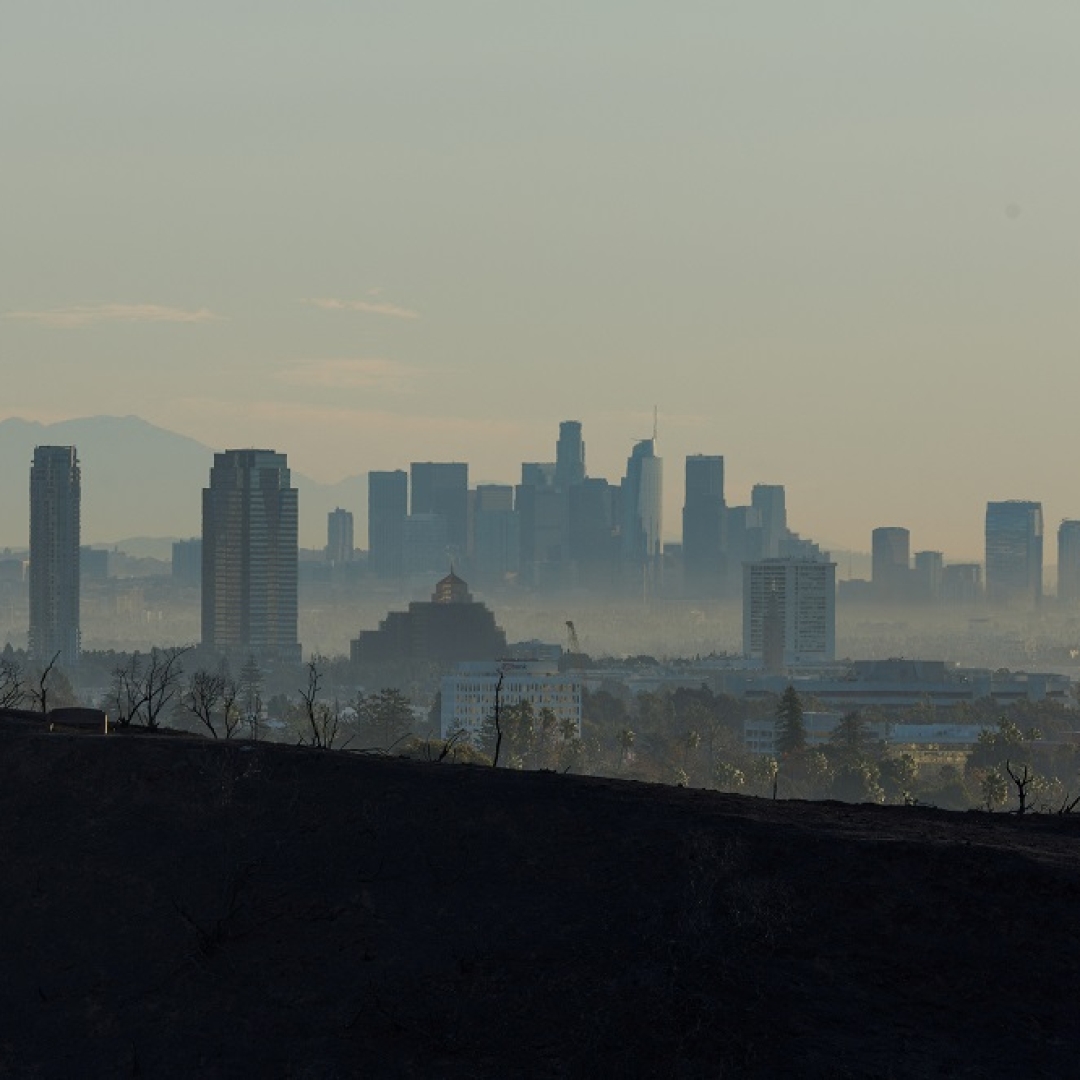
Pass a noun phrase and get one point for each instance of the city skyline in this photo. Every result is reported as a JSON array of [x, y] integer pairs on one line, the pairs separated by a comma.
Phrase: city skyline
[[427, 234]]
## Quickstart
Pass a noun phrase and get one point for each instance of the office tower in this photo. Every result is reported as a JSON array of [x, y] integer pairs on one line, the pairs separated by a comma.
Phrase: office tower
[[442, 487], [424, 547], [1014, 553], [961, 583], [339, 537], [569, 455], [544, 521], [798, 594], [388, 507], [642, 507], [55, 496], [929, 568], [891, 563], [1068, 567], [703, 525], [187, 561], [249, 576], [538, 474], [496, 533], [594, 515], [770, 502]]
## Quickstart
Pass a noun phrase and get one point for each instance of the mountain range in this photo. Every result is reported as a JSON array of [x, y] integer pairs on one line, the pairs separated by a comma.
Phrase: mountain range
[[140, 480]]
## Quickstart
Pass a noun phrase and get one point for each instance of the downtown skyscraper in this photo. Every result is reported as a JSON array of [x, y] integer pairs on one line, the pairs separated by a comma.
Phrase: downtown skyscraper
[[1014, 553], [55, 504], [250, 551]]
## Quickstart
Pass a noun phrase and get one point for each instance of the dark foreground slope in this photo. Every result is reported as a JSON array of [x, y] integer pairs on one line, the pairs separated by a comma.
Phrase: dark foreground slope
[[174, 907]]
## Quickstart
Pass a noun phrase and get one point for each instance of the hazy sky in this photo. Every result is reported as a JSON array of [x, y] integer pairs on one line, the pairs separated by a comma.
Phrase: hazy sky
[[838, 243]]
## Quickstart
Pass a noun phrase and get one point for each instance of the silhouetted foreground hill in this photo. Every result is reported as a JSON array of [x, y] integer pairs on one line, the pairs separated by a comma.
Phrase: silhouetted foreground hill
[[176, 907]]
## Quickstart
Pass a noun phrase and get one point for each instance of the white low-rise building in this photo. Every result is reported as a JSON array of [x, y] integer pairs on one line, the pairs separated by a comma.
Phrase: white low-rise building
[[468, 694]]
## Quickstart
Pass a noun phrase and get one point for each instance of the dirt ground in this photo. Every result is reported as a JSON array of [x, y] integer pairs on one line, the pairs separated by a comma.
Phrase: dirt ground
[[179, 907]]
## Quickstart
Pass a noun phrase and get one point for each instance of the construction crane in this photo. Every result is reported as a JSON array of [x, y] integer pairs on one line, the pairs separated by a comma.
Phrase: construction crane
[[572, 638]]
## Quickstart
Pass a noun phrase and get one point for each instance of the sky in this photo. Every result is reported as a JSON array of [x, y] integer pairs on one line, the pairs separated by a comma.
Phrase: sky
[[835, 242]]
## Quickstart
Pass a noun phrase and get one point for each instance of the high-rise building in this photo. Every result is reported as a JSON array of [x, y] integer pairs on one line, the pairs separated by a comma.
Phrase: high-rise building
[[569, 455], [442, 487], [249, 577], [55, 503], [388, 506], [703, 525], [339, 537], [928, 575], [1014, 553], [770, 501], [961, 584], [891, 563], [187, 561], [800, 596], [1068, 567], [643, 488], [538, 474], [595, 514], [496, 532]]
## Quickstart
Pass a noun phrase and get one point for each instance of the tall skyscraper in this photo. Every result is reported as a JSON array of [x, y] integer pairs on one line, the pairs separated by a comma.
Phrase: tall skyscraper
[[891, 563], [770, 501], [55, 497], [249, 578], [928, 575], [388, 506], [442, 487], [339, 537], [496, 532], [643, 488], [569, 455], [703, 525], [1014, 553], [1068, 567], [800, 596]]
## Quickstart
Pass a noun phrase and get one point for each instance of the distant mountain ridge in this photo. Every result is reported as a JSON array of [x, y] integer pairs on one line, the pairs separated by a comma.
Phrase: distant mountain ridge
[[141, 480]]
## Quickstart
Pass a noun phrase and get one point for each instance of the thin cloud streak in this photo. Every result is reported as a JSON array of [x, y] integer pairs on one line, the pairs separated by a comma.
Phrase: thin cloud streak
[[95, 314], [345, 374], [368, 307]]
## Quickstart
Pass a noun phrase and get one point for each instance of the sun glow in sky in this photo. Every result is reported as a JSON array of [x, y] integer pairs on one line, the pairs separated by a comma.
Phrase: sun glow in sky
[[835, 242]]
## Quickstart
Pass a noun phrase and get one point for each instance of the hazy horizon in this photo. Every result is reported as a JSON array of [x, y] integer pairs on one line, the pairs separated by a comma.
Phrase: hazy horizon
[[834, 243]]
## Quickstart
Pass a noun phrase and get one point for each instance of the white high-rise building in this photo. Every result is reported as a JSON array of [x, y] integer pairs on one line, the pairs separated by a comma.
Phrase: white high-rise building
[[801, 595]]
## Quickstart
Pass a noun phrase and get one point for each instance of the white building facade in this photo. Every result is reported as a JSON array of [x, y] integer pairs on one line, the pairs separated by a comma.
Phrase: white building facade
[[468, 694], [800, 594]]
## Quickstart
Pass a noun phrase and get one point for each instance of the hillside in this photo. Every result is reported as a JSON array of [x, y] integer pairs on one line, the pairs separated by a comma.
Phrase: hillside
[[178, 907]]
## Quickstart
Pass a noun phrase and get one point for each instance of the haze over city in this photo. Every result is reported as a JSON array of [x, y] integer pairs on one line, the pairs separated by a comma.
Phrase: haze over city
[[837, 246]]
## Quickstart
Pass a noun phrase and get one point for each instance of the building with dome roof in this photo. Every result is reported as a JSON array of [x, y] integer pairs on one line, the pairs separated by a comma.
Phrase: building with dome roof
[[449, 628]]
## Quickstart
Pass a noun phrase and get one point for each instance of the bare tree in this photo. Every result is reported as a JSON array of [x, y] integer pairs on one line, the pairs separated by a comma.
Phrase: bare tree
[[323, 719], [209, 691], [12, 684], [1022, 778], [202, 696], [230, 706], [41, 694], [162, 681], [144, 687], [249, 693], [497, 717]]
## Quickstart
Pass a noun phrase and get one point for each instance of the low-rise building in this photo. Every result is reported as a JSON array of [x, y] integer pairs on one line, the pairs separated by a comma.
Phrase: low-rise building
[[468, 694]]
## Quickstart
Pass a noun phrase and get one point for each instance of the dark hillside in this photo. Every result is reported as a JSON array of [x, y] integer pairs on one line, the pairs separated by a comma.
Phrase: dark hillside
[[177, 907]]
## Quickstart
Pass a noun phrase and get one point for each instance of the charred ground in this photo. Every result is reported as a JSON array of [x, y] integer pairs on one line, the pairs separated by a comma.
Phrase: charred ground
[[175, 906]]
